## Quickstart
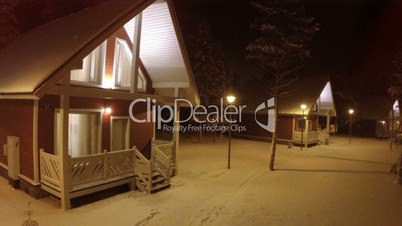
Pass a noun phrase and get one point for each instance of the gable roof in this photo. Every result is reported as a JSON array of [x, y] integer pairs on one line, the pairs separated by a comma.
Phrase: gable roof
[[39, 58], [306, 90]]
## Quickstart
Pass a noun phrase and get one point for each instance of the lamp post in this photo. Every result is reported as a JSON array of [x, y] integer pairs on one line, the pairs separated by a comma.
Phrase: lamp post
[[351, 111], [230, 99], [303, 107]]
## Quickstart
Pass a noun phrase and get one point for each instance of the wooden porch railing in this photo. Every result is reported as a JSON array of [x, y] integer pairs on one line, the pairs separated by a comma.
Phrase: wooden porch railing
[[89, 173], [50, 168], [308, 137], [323, 137], [143, 171], [99, 168], [162, 163], [165, 146], [87, 169]]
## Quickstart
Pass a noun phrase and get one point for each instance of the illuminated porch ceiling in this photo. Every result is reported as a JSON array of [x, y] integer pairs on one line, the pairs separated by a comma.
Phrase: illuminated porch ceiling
[[160, 50]]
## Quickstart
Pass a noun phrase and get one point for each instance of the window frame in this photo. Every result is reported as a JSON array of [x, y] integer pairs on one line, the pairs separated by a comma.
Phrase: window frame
[[100, 64], [119, 43], [79, 111]]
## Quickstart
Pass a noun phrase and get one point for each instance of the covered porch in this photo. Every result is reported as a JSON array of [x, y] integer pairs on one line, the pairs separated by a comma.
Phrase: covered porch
[[91, 173]]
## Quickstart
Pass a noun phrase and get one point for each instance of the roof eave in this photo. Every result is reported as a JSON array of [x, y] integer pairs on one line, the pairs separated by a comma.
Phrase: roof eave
[[195, 97], [65, 68]]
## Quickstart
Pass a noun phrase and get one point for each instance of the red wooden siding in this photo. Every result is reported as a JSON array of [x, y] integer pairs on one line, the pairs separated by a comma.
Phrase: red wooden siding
[[16, 119], [47, 106], [284, 126], [140, 134]]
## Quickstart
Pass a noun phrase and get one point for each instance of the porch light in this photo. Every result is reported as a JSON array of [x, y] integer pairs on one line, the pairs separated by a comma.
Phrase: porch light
[[107, 110], [351, 111]]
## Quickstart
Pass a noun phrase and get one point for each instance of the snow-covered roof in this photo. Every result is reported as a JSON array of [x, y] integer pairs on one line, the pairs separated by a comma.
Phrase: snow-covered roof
[[41, 57], [308, 90]]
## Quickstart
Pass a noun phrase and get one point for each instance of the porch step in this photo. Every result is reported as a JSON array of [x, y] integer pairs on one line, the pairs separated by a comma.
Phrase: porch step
[[160, 187], [158, 180], [159, 183]]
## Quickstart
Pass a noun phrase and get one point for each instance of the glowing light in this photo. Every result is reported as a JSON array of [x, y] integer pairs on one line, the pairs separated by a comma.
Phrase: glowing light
[[230, 99], [107, 83], [303, 106], [107, 110], [351, 111]]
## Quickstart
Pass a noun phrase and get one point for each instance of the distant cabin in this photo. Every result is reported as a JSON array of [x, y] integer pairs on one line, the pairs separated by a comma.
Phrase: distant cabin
[[315, 122], [372, 117]]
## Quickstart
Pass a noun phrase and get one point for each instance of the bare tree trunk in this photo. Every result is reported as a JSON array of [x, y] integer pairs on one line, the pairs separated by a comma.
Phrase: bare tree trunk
[[273, 144], [399, 170]]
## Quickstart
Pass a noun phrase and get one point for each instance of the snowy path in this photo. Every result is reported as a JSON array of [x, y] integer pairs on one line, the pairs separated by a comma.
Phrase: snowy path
[[341, 184]]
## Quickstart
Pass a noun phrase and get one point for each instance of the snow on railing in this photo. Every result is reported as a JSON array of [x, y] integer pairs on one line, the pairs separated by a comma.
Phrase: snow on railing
[[87, 169]]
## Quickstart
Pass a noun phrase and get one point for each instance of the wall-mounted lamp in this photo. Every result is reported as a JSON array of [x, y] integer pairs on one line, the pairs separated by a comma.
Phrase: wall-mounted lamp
[[107, 110]]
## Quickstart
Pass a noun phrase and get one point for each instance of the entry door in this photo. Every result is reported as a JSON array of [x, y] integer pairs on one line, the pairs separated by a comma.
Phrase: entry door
[[120, 133]]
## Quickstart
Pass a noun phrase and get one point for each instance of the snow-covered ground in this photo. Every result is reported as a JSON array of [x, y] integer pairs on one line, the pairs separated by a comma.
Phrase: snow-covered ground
[[341, 184]]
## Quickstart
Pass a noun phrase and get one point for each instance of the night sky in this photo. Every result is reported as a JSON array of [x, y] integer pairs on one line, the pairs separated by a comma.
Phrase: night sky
[[355, 46]]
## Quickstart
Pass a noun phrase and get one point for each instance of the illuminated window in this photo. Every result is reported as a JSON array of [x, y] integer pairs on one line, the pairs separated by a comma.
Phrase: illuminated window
[[92, 67], [123, 66], [84, 132], [142, 82]]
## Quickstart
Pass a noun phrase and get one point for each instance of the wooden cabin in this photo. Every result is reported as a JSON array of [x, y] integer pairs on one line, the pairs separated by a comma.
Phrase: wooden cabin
[[315, 122], [372, 117], [65, 94]]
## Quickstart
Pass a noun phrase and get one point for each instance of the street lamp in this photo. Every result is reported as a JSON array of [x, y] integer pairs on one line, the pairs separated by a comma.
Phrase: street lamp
[[303, 107], [351, 111], [230, 99]]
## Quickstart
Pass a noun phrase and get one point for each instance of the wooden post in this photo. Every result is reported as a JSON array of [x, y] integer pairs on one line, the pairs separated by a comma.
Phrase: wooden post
[[293, 128], [133, 157], [306, 133], [328, 123], [63, 148], [35, 141], [105, 165], [136, 53], [176, 138]]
